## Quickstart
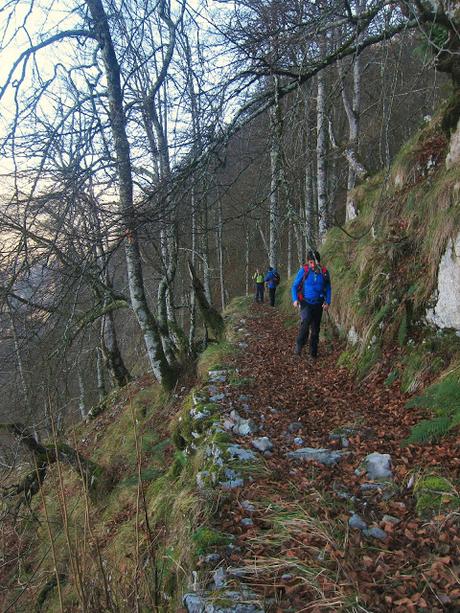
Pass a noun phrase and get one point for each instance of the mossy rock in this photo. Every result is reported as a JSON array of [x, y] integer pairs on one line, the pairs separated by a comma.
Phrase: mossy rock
[[206, 538], [433, 494], [184, 426], [214, 357]]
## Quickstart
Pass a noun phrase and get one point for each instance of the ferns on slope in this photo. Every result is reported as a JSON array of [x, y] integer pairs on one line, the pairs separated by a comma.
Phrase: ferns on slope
[[444, 400]]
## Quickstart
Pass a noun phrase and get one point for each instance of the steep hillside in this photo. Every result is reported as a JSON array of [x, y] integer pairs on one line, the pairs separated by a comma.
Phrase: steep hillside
[[396, 267], [252, 487]]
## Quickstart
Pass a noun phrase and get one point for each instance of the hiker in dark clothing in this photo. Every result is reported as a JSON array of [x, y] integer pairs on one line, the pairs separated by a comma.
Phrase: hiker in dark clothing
[[260, 286], [272, 279], [311, 292]]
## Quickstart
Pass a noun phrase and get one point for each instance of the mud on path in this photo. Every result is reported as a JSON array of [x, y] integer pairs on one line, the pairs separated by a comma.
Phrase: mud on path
[[300, 552]]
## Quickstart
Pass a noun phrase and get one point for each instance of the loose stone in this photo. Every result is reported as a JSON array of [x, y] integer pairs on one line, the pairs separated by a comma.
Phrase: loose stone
[[262, 444], [375, 533], [389, 519], [235, 602], [356, 522], [219, 577], [240, 453], [323, 456], [248, 506], [245, 427], [377, 466], [216, 398]]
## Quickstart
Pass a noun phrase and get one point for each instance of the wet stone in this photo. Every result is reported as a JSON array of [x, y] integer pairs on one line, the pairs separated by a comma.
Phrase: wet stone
[[219, 577], [262, 444], [323, 456], [247, 522], [240, 453], [294, 427], [375, 533], [235, 602], [298, 441], [216, 398], [245, 427], [378, 466], [356, 522], [211, 558], [217, 376], [389, 519], [248, 506], [198, 414], [233, 480]]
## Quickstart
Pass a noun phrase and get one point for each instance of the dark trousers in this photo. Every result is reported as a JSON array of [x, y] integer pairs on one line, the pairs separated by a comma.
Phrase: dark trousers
[[260, 292], [272, 291], [310, 315]]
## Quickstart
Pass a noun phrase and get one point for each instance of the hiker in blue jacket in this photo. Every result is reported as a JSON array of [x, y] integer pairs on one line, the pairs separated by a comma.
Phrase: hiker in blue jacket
[[311, 292], [272, 279]]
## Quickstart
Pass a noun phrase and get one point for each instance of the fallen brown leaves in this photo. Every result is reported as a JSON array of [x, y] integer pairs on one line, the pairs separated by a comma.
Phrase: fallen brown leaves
[[320, 564]]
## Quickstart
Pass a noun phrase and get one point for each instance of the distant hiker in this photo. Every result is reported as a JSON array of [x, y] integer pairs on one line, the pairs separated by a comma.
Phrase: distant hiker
[[260, 286], [272, 280], [311, 292]]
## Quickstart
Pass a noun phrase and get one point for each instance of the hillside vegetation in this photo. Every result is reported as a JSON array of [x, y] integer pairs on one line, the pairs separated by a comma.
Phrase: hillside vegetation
[[133, 545]]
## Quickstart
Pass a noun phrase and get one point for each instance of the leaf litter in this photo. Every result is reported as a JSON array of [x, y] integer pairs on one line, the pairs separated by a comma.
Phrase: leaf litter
[[300, 553]]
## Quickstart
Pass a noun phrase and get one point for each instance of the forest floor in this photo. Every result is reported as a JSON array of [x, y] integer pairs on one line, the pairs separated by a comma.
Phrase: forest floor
[[300, 550]]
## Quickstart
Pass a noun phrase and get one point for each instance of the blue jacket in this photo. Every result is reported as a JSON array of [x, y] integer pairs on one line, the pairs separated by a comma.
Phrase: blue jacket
[[269, 278], [316, 288]]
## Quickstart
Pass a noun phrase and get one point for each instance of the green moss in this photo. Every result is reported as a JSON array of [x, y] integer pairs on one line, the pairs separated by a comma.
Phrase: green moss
[[347, 359], [433, 494], [237, 381], [213, 357], [205, 538], [238, 306]]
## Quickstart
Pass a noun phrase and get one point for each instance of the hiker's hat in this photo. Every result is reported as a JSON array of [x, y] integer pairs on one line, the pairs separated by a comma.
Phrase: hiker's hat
[[313, 255]]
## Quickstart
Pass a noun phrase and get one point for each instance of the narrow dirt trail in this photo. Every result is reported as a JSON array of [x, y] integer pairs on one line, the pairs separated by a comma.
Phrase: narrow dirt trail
[[299, 549]]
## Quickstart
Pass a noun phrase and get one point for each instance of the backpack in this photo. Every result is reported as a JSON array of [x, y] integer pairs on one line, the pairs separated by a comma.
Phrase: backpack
[[276, 278], [306, 271]]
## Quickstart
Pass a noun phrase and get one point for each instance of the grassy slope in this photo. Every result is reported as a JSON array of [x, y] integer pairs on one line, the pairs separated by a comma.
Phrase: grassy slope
[[384, 264], [133, 543]]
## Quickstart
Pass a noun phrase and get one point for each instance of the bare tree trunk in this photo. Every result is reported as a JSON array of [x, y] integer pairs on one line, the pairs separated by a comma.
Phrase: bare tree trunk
[[220, 252], [164, 374], [289, 248], [19, 361], [205, 249], [321, 127], [246, 259], [101, 391], [311, 203], [168, 247], [352, 110], [115, 364], [275, 164], [211, 317], [81, 395], [192, 323]]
